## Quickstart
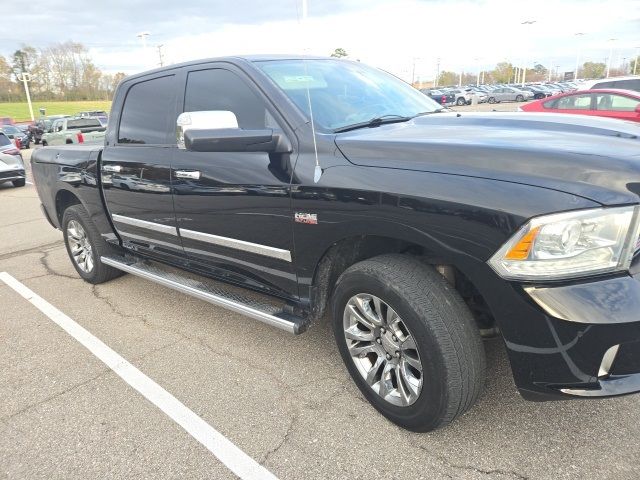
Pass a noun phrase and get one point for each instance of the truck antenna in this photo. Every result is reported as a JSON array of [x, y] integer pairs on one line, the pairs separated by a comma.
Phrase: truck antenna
[[317, 173]]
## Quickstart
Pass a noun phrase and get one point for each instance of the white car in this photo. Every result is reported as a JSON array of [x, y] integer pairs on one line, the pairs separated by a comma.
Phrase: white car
[[631, 82]]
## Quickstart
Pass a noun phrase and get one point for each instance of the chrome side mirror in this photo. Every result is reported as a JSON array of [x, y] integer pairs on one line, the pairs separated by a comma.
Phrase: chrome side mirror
[[205, 120]]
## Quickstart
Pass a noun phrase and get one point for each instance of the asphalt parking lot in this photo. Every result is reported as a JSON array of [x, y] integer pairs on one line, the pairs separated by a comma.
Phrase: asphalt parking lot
[[286, 401]]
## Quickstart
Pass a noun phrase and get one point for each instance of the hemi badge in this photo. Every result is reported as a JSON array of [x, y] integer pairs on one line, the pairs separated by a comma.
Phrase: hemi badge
[[310, 218]]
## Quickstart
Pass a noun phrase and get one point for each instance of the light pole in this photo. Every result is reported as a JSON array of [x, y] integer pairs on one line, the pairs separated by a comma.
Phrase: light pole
[[611, 40], [160, 55], [143, 38], [437, 72], [575, 73], [524, 72], [635, 65], [25, 78], [557, 67]]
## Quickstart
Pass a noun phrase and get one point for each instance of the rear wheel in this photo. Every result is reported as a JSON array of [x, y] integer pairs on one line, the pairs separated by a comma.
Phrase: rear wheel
[[19, 183], [461, 101], [85, 246], [519, 98], [492, 100], [408, 340], [44, 143]]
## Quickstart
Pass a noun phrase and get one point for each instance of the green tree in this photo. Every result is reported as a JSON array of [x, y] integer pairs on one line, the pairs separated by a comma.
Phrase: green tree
[[594, 70], [447, 78], [503, 73], [339, 53]]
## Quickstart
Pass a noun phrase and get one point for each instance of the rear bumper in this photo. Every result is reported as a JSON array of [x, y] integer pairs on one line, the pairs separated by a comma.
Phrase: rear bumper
[[9, 175]]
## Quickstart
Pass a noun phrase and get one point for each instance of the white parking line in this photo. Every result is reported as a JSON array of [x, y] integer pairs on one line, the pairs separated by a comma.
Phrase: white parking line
[[235, 459]]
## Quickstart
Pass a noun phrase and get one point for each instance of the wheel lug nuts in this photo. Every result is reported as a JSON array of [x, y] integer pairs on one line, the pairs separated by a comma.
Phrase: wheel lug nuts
[[395, 339], [382, 330], [398, 354], [378, 340], [389, 356]]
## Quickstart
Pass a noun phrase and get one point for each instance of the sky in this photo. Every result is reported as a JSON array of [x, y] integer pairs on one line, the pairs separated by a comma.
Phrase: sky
[[410, 38]]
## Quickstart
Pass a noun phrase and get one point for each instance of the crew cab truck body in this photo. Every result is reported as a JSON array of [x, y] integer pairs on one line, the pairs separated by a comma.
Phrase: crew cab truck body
[[414, 231], [65, 131]]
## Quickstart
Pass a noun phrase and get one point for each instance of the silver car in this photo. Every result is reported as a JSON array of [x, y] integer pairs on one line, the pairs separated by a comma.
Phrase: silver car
[[8, 147], [509, 94], [12, 170]]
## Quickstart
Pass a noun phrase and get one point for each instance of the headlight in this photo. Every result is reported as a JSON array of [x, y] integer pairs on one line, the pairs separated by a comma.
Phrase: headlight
[[572, 244]]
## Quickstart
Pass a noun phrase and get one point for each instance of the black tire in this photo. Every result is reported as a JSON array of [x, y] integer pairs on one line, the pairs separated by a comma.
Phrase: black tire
[[461, 101], [519, 98], [21, 182], [100, 272], [443, 328], [36, 141], [44, 143], [492, 100]]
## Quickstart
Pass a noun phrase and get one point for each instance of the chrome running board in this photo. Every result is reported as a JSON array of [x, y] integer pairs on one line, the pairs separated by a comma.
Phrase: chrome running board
[[210, 291]]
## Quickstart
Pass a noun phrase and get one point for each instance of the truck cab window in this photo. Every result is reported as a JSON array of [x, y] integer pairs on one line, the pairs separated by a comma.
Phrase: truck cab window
[[148, 115], [219, 89]]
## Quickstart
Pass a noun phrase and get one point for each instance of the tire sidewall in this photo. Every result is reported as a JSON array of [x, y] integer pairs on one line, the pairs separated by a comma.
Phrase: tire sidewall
[[431, 403], [71, 214]]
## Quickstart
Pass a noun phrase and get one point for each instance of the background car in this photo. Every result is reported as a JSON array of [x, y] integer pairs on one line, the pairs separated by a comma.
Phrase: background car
[[509, 94], [439, 96], [463, 96], [8, 148], [538, 92], [612, 103], [20, 139], [626, 83], [42, 126], [12, 170]]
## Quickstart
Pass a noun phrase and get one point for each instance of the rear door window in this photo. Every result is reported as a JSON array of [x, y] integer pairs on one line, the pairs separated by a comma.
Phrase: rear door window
[[571, 102], [149, 113], [618, 103]]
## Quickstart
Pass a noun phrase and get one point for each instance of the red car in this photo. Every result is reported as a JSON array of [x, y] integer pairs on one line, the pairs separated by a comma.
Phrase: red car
[[612, 103]]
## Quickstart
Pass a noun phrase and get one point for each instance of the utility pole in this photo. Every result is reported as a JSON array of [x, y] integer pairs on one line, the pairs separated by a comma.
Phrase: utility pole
[[575, 73], [25, 78], [160, 55], [437, 72], [611, 40]]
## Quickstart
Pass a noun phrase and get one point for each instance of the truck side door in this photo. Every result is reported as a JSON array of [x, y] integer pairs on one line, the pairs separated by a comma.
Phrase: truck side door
[[233, 209], [136, 165]]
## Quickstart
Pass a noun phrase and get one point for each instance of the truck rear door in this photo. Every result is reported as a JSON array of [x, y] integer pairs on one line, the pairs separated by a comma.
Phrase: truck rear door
[[136, 165]]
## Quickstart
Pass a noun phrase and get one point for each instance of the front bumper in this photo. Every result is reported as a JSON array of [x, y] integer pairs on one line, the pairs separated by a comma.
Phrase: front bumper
[[578, 339]]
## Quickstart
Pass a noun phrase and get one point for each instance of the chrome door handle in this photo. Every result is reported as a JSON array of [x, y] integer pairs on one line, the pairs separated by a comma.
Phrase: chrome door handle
[[191, 174], [112, 168]]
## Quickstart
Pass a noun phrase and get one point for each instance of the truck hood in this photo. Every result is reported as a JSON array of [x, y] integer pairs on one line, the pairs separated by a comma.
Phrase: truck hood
[[595, 158]]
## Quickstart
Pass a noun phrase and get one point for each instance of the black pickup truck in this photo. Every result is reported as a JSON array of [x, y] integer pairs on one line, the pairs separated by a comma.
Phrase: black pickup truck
[[326, 186]]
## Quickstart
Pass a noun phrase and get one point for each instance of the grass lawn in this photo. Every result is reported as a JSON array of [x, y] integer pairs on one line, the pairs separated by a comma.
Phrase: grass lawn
[[20, 111]]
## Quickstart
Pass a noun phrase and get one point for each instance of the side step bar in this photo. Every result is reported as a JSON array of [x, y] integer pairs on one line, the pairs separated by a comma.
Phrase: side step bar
[[212, 293]]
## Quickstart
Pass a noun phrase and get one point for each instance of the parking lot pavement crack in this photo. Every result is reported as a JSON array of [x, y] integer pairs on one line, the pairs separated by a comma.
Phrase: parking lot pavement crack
[[283, 441], [114, 308], [39, 249], [53, 397], [21, 222], [51, 271], [488, 472]]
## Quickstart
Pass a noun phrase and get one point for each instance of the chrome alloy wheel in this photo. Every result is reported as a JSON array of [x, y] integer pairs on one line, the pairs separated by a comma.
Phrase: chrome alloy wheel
[[383, 349], [79, 246]]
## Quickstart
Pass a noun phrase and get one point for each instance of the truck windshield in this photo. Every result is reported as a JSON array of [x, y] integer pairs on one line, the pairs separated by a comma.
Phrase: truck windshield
[[345, 93]]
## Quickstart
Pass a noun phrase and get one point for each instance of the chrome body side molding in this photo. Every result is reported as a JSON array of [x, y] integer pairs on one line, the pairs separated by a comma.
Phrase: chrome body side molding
[[156, 227]]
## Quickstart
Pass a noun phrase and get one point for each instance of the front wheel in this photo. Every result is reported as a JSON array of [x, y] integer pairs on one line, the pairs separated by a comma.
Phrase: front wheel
[[44, 143], [408, 341], [519, 98], [85, 246], [492, 100], [461, 101]]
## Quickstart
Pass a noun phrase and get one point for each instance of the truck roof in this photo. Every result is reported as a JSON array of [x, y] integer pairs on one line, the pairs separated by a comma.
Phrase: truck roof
[[233, 59]]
